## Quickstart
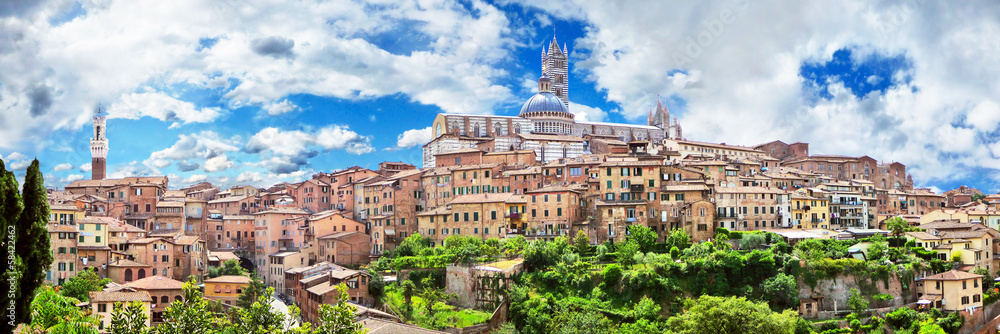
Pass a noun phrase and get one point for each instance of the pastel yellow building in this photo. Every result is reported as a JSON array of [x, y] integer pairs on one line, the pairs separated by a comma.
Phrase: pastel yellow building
[[65, 214], [93, 243], [810, 212], [973, 247], [102, 304], [226, 288], [944, 214], [951, 291]]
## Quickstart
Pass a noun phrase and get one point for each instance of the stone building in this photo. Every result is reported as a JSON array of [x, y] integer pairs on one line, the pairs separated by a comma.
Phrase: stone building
[[478, 215], [544, 125], [750, 208], [551, 211], [64, 245]]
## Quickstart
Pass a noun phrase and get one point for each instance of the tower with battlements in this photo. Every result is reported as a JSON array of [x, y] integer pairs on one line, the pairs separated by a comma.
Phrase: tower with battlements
[[99, 148]]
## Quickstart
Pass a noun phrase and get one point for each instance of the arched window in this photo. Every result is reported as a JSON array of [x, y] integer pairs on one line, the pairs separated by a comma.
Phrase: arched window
[[497, 129], [142, 273], [128, 274], [437, 132], [177, 298], [517, 128], [475, 130], [164, 300]]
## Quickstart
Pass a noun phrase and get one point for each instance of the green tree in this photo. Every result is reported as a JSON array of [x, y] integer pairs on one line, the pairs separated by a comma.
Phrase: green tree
[[83, 283], [408, 289], [229, 268], [978, 198], [643, 236], [511, 247], [252, 293], [678, 238], [752, 240], [857, 302], [32, 240], [129, 319], [431, 296], [376, 287], [583, 322], [626, 252], [710, 314], [10, 209], [55, 313], [260, 318], [878, 248], [412, 245], [338, 318], [581, 242], [781, 291], [190, 316], [897, 225]]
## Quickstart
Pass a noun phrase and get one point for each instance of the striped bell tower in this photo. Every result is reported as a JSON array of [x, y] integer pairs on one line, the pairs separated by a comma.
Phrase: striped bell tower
[[555, 65]]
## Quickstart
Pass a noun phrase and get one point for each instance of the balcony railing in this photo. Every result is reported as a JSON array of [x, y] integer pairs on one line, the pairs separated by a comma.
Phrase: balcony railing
[[513, 215]]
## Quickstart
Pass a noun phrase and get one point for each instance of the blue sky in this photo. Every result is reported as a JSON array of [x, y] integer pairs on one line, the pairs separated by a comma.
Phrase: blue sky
[[248, 93]]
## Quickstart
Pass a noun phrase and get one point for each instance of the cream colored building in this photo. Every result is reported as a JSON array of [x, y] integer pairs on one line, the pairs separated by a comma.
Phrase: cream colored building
[[102, 304], [952, 291]]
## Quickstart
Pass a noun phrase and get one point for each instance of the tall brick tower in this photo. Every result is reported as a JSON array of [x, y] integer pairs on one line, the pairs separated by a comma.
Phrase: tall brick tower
[[99, 147], [555, 65]]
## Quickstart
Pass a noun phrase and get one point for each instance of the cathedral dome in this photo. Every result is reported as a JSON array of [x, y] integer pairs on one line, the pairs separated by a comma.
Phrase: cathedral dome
[[543, 102]]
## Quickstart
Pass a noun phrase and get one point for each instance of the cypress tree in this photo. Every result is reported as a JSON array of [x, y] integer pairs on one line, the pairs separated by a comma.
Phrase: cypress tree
[[10, 209], [32, 240]]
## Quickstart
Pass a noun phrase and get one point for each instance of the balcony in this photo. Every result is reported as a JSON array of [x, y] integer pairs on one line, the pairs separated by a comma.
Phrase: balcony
[[513, 215], [636, 188]]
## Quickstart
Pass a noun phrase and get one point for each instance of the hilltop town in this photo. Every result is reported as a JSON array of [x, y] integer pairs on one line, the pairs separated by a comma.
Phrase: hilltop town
[[501, 202]]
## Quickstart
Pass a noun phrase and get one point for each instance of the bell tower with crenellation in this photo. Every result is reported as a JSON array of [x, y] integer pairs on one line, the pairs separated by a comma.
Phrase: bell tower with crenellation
[[99, 147]]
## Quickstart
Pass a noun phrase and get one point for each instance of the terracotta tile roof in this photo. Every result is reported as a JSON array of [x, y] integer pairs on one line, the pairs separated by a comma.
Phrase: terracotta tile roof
[[237, 279], [63, 207], [631, 163], [224, 256], [143, 240], [186, 240], [63, 228], [441, 210], [953, 275], [923, 236], [551, 188], [126, 263], [322, 288], [748, 190], [296, 211], [156, 283], [106, 296], [311, 279], [338, 235]]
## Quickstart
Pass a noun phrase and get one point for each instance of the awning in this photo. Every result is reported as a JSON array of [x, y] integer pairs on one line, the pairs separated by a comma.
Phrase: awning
[[924, 302], [390, 231]]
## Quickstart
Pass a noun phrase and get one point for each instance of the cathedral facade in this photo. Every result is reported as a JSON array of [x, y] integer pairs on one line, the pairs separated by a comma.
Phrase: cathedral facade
[[544, 125]]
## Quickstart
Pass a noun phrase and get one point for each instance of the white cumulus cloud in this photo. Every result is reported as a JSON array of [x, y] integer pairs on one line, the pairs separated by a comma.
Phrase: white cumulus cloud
[[414, 137]]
